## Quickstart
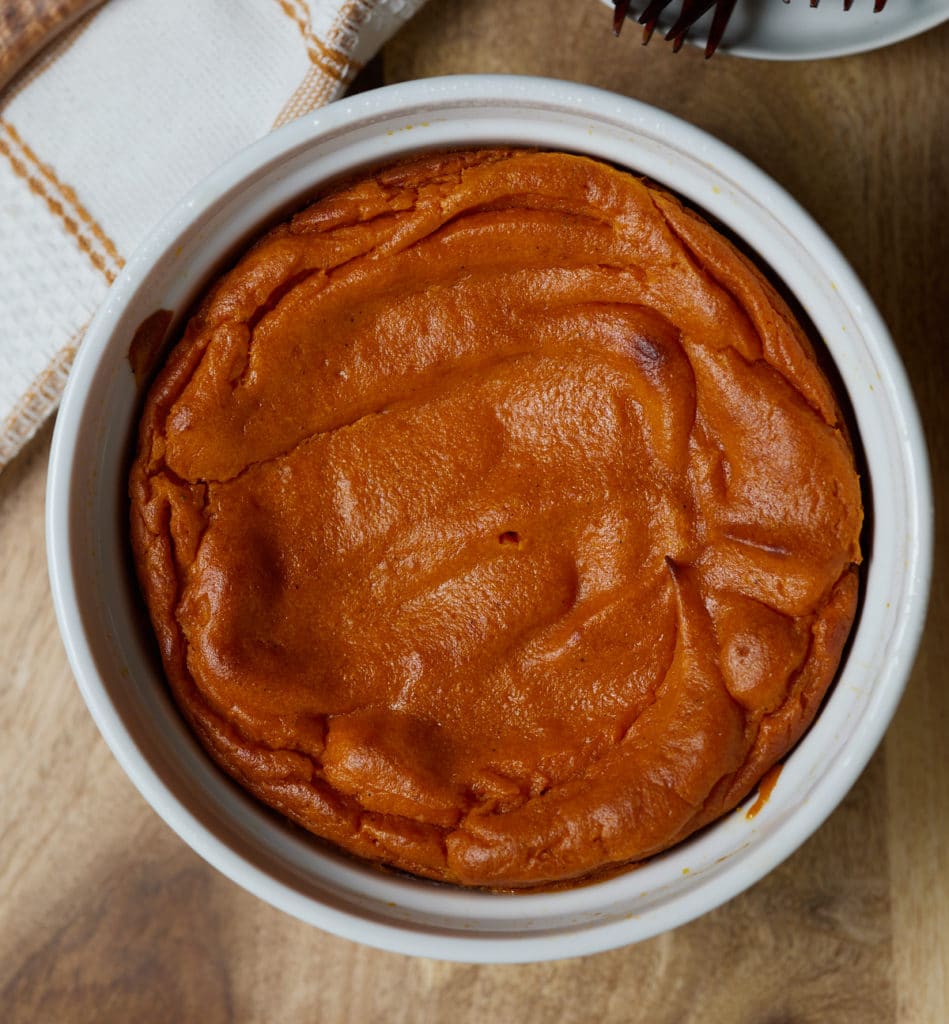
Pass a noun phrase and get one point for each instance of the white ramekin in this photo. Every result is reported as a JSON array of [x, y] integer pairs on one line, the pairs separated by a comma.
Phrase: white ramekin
[[107, 642]]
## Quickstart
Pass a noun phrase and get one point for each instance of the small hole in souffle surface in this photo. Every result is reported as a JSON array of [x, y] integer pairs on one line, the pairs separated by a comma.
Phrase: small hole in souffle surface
[[509, 537]]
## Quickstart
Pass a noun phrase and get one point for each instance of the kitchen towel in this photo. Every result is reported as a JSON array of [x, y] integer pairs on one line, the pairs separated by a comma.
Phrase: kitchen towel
[[113, 123]]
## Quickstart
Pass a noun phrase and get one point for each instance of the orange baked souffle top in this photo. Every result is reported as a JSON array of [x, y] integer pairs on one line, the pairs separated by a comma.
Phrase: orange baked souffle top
[[495, 520]]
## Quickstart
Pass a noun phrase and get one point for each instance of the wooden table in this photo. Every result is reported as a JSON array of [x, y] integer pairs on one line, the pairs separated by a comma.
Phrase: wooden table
[[105, 915]]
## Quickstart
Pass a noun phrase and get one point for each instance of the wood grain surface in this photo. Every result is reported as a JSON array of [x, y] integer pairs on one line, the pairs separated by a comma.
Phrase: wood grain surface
[[105, 915]]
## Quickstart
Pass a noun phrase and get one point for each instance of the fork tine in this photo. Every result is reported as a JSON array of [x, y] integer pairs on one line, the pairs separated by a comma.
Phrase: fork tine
[[648, 30], [878, 5], [620, 7], [723, 12], [653, 9], [650, 17], [691, 11]]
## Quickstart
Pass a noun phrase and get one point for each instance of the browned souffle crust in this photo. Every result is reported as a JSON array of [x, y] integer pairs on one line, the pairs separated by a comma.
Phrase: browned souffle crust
[[495, 520]]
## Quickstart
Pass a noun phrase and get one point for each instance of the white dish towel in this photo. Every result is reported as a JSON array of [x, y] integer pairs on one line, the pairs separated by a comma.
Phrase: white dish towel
[[109, 127]]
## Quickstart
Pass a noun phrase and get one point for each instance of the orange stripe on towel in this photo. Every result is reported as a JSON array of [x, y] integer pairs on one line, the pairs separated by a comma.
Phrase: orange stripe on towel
[[37, 402], [336, 63], [58, 210], [316, 89], [67, 193]]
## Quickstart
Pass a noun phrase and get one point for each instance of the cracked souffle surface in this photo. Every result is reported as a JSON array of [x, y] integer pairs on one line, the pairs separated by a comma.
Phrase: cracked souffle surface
[[495, 520]]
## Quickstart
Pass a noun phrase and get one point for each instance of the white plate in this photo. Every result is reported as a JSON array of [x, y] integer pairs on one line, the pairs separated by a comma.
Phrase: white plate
[[772, 30]]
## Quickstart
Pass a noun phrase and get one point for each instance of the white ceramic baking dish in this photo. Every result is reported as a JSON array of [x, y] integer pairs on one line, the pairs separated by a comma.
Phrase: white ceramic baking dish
[[102, 624]]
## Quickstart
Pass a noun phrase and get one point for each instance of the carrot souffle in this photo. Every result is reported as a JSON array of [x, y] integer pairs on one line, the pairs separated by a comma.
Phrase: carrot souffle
[[495, 520]]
